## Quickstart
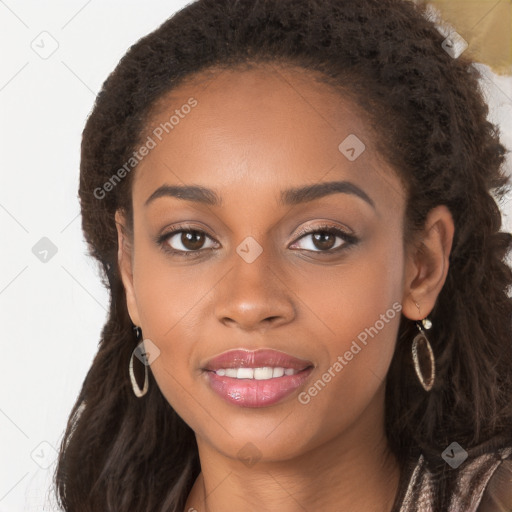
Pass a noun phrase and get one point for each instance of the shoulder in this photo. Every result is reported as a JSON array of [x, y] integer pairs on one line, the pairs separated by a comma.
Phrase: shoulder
[[484, 482], [497, 496], [481, 483]]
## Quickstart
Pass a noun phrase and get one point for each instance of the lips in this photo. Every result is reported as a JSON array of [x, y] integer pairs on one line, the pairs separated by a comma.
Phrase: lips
[[256, 359], [252, 389]]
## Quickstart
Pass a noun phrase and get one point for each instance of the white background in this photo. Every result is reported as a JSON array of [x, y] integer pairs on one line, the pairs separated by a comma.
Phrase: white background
[[52, 312]]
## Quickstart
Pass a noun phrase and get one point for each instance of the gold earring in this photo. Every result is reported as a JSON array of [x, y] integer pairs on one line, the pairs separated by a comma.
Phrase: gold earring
[[420, 342], [139, 349]]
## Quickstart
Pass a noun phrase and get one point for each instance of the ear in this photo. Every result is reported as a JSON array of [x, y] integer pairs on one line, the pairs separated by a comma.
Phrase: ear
[[125, 263], [427, 262]]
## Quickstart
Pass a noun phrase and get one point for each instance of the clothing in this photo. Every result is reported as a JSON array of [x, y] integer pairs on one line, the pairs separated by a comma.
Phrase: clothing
[[483, 484]]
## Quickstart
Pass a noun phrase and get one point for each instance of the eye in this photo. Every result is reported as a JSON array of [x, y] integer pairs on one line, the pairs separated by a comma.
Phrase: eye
[[184, 241], [325, 239], [187, 241]]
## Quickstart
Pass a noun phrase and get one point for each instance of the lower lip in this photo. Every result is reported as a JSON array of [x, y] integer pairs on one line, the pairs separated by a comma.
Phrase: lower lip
[[256, 393]]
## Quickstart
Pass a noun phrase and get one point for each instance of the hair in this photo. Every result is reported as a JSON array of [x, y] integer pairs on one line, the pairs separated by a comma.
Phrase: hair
[[428, 115]]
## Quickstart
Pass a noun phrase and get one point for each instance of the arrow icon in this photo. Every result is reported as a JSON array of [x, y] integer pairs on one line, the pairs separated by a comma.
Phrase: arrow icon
[[249, 454], [44, 455], [249, 249], [454, 455], [454, 45], [44, 250], [351, 147], [44, 44]]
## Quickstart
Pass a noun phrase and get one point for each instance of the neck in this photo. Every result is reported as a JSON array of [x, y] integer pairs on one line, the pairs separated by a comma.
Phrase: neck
[[354, 471]]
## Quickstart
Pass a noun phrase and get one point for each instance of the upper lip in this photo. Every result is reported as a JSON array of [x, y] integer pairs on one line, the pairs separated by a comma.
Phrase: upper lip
[[242, 358]]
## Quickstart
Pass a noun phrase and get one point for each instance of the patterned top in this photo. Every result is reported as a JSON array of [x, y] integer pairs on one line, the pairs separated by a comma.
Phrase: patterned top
[[483, 484]]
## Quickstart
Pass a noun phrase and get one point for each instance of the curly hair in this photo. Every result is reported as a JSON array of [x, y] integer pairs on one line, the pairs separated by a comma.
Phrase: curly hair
[[430, 120]]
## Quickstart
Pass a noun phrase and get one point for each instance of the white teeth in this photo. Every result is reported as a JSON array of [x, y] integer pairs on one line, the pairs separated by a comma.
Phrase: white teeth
[[263, 373], [245, 373], [278, 372]]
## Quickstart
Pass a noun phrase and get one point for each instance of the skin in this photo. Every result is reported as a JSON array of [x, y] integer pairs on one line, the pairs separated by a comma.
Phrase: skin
[[253, 134]]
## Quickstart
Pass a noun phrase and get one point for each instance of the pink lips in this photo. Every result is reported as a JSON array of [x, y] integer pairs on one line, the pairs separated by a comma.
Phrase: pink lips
[[251, 392]]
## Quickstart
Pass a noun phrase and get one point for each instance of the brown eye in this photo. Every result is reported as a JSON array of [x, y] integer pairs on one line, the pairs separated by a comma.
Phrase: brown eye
[[192, 240], [323, 240], [186, 241]]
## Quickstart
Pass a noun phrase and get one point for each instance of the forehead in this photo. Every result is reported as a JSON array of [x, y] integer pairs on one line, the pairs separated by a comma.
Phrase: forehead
[[249, 128]]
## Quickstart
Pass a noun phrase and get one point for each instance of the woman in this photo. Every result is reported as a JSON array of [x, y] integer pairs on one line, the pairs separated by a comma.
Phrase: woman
[[293, 203]]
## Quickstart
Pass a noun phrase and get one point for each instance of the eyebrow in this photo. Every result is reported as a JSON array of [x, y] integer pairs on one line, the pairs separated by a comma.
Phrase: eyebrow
[[293, 196]]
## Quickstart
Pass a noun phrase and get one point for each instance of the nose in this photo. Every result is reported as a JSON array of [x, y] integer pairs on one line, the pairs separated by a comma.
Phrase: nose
[[254, 295]]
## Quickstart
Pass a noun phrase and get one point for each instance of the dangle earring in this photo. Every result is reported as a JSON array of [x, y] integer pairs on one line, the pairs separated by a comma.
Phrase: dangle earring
[[140, 351], [420, 342]]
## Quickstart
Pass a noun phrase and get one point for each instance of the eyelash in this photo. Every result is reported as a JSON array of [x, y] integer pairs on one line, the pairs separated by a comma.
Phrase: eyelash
[[350, 240]]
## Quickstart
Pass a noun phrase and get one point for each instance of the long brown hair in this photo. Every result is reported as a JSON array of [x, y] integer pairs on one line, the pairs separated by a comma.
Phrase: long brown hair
[[124, 454]]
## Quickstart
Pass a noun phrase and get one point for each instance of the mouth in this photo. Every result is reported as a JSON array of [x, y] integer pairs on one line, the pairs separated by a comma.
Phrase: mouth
[[262, 373], [242, 359], [256, 378]]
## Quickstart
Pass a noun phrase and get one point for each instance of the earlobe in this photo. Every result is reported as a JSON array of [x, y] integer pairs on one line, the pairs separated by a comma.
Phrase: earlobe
[[125, 263], [427, 263]]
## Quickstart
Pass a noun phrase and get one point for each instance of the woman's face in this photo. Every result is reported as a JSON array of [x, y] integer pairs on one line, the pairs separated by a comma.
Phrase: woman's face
[[268, 267]]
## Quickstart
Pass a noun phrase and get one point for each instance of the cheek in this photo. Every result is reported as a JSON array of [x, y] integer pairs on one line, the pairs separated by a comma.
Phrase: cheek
[[167, 291], [171, 300], [357, 310], [350, 297]]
